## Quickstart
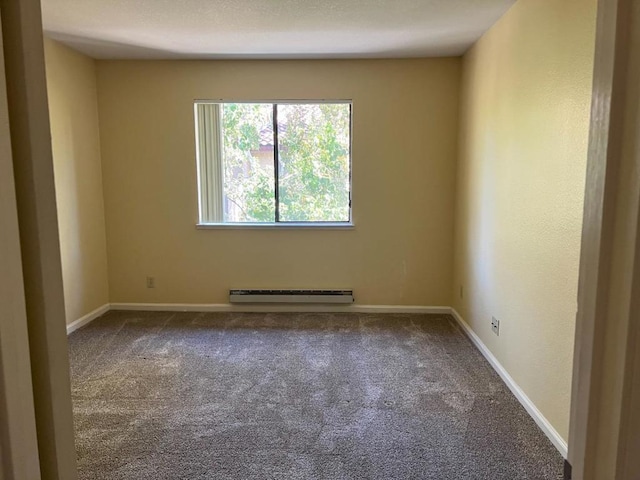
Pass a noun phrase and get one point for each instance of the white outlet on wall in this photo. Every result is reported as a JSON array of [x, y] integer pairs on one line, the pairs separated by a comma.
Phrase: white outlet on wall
[[495, 325], [151, 282]]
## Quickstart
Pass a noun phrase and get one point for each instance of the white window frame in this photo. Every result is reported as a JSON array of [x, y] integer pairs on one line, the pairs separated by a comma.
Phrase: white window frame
[[210, 174]]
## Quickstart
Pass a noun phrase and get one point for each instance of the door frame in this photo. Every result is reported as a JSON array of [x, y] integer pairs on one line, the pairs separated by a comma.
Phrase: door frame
[[604, 427], [39, 253], [18, 440]]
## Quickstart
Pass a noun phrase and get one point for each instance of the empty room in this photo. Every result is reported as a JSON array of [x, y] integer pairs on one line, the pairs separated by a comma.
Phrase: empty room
[[331, 240]]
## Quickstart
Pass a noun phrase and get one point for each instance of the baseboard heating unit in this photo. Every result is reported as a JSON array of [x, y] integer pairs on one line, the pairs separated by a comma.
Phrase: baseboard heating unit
[[291, 296]]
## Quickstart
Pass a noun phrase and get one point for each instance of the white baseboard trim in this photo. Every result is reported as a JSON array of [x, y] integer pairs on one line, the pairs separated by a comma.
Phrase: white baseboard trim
[[89, 317], [267, 308], [522, 397]]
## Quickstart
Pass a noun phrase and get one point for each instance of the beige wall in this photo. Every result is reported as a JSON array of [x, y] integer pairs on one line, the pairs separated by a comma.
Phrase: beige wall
[[404, 147], [525, 101], [71, 83]]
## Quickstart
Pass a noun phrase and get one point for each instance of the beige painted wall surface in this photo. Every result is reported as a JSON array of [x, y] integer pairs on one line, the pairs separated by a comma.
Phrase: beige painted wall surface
[[71, 84], [404, 144], [525, 101]]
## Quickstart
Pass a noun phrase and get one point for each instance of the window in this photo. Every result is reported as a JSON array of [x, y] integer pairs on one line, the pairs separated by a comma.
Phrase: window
[[274, 163]]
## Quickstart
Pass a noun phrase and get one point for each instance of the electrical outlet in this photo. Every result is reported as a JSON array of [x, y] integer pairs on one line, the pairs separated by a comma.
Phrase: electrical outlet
[[151, 282], [495, 325]]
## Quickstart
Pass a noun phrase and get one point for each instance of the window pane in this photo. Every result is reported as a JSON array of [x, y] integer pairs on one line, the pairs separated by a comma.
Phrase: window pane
[[313, 162], [247, 162]]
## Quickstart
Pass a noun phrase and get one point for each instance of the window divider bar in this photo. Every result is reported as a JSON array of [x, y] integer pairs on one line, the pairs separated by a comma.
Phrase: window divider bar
[[276, 162]]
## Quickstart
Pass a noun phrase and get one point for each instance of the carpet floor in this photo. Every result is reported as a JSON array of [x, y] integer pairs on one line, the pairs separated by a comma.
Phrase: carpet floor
[[166, 395]]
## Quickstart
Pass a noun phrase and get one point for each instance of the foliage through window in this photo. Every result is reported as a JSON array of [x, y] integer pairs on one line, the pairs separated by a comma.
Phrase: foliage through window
[[274, 162]]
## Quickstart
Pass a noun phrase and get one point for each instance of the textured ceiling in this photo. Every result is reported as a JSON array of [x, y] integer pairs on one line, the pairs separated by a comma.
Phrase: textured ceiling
[[270, 28]]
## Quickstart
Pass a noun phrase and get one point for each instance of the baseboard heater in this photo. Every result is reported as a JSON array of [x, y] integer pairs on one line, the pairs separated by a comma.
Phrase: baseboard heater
[[291, 296]]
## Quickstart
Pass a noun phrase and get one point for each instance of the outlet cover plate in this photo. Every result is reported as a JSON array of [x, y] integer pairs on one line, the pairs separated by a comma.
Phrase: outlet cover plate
[[495, 325]]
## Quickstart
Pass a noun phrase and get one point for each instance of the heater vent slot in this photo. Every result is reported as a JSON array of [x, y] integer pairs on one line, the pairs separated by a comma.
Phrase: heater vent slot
[[290, 296]]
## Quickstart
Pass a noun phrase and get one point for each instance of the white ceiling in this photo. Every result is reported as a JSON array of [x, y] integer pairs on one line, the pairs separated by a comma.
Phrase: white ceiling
[[270, 28]]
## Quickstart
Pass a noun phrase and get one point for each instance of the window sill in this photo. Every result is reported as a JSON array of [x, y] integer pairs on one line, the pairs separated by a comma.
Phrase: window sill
[[277, 226]]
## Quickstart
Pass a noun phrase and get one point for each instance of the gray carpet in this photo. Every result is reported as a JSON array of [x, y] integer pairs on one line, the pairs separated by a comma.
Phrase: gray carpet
[[295, 396]]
